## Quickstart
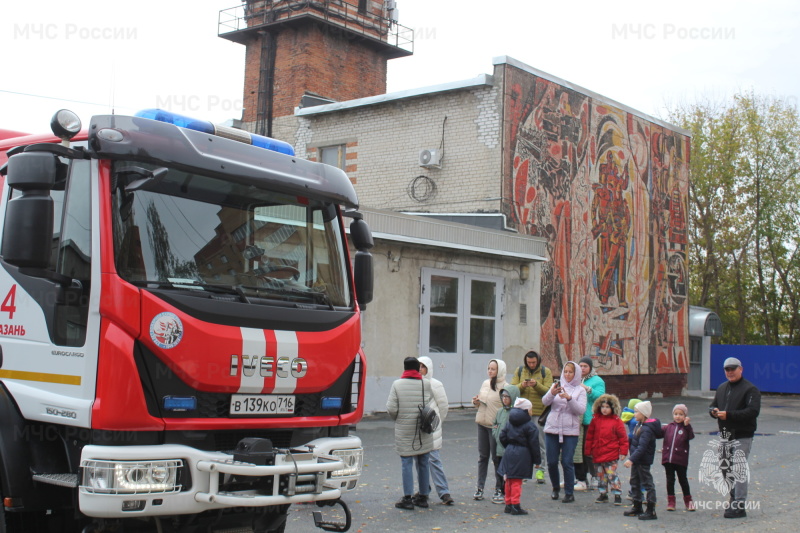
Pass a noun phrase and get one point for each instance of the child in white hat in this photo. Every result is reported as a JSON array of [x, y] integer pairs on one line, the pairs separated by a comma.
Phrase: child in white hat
[[642, 453], [520, 436]]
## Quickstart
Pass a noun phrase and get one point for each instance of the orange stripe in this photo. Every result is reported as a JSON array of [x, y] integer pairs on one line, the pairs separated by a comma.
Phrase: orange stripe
[[40, 376]]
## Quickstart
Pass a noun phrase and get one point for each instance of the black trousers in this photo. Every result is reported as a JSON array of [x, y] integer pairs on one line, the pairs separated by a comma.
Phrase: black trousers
[[672, 469]]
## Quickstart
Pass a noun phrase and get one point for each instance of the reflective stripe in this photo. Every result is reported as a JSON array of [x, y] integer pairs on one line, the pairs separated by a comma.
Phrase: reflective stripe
[[288, 348], [254, 346], [41, 377]]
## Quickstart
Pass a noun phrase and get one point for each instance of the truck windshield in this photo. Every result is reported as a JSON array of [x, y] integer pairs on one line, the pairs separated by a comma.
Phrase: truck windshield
[[174, 229]]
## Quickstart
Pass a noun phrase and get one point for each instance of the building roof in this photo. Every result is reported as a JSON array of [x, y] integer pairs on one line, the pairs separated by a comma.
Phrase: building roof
[[414, 229], [478, 81]]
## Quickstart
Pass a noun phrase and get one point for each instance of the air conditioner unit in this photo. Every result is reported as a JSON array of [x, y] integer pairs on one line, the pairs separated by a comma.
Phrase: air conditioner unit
[[430, 158]]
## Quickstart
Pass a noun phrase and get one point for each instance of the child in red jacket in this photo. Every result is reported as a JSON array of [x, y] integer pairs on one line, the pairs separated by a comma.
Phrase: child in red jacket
[[607, 443], [675, 455]]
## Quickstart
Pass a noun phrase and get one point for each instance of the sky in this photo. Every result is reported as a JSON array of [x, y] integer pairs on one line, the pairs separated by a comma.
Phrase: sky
[[94, 56]]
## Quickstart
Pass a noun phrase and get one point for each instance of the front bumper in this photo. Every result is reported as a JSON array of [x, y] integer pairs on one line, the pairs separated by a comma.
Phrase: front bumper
[[213, 480]]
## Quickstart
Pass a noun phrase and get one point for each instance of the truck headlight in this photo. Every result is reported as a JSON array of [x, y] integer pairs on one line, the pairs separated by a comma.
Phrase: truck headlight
[[131, 477], [353, 460]]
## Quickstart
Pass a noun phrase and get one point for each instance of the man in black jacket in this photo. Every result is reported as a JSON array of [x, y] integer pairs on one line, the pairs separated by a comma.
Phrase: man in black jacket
[[736, 406]]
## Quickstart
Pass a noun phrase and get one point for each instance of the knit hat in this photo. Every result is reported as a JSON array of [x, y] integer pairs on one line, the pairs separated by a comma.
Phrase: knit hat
[[680, 407], [523, 403], [411, 363], [633, 402], [646, 408], [588, 361]]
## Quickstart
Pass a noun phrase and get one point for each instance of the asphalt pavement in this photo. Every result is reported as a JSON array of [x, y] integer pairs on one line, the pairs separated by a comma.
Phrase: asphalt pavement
[[773, 491]]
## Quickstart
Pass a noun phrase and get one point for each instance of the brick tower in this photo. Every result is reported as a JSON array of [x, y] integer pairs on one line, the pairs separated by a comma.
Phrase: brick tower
[[302, 52]]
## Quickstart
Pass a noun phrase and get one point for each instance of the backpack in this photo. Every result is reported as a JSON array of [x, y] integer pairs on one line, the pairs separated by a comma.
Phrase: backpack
[[428, 418], [519, 371]]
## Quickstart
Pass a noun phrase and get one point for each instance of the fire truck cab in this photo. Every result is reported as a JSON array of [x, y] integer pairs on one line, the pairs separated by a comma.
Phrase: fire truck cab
[[180, 335]]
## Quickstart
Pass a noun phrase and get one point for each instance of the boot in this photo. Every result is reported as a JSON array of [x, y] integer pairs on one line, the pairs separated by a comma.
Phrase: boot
[[405, 503], [650, 513], [603, 498], [636, 510], [419, 500], [687, 501], [517, 510], [509, 509], [670, 503]]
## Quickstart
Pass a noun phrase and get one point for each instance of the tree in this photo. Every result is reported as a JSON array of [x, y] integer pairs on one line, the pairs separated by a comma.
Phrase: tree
[[744, 205]]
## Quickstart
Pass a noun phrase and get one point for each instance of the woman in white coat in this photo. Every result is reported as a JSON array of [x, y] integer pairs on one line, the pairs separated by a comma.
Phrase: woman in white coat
[[441, 406], [488, 403]]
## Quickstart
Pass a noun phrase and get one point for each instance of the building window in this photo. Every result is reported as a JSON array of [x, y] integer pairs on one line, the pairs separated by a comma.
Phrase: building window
[[333, 155], [362, 6]]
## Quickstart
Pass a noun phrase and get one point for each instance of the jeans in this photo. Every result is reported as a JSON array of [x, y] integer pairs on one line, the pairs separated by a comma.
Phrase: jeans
[[423, 478], [487, 447], [739, 490], [437, 474], [567, 450]]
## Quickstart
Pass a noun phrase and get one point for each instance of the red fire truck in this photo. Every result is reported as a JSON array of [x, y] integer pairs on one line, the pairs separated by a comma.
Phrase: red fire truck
[[180, 332]]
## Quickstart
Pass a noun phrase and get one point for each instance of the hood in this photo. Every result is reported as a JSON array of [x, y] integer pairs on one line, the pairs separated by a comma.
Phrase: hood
[[425, 360], [655, 425], [616, 409], [512, 390], [576, 379], [518, 417], [501, 369]]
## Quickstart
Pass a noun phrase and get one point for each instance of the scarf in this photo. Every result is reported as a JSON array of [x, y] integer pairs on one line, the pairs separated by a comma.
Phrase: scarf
[[411, 374]]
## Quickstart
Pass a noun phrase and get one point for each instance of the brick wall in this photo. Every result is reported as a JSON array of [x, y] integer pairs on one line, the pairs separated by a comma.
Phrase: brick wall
[[314, 58], [634, 386], [384, 140]]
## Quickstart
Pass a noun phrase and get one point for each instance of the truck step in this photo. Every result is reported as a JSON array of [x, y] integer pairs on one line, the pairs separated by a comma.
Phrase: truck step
[[62, 480]]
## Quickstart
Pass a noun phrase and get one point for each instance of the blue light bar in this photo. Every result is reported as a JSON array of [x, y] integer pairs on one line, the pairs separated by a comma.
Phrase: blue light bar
[[180, 403], [331, 403], [177, 120], [207, 127]]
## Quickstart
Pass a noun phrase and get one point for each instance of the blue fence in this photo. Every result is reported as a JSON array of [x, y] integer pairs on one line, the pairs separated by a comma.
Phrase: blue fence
[[770, 368]]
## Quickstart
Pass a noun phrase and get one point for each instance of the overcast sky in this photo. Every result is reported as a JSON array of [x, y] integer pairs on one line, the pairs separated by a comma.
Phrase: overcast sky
[[90, 56]]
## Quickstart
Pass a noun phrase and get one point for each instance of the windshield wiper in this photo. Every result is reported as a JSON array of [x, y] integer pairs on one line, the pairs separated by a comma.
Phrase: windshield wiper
[[280, 288], [195, 285]]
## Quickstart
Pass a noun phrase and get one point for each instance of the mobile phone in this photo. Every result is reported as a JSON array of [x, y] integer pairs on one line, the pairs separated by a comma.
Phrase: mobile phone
[[556, 383]]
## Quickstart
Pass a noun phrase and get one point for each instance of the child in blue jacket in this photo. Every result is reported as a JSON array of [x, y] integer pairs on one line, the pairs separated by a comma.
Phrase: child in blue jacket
[[642, 453], [520, 436]]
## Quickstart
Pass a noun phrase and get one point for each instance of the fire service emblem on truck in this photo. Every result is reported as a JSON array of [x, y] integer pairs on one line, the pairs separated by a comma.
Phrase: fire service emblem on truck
[[166, 330]]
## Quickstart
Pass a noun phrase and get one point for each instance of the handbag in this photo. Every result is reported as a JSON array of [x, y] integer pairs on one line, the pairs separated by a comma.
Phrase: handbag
[[543, 416], [428, 418]]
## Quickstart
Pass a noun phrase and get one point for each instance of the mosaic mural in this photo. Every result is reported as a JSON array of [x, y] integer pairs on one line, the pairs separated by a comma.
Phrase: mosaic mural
[[608, 190]]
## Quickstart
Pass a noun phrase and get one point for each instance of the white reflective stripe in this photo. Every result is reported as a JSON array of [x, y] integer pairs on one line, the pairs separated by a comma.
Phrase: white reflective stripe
[[254, 346], [287, 347]]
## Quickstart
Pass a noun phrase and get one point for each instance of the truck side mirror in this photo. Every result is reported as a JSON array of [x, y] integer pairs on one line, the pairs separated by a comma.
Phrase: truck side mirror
[[361, 234], [28, 228], [363, 275]]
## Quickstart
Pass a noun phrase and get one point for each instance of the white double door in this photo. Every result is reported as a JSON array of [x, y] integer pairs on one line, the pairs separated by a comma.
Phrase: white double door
[[461, 328]]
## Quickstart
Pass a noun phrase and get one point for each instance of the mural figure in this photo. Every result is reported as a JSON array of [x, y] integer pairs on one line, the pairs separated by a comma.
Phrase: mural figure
[[612, 223]]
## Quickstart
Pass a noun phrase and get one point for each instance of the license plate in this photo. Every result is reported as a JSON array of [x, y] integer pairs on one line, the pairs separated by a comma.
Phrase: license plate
[[261, 405]]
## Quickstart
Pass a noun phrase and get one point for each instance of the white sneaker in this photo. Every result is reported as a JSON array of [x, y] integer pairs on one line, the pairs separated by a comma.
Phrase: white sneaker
[[580, 485]]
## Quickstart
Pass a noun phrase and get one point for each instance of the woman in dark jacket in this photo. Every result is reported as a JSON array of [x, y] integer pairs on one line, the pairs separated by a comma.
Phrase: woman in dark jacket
[[520, 437]]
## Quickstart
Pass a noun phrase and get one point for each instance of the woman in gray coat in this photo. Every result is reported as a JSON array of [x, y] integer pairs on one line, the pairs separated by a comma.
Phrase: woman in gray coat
[[411, 444]]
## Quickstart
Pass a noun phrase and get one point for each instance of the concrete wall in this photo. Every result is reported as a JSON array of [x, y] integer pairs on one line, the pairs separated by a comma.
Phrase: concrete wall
[[391, 321]]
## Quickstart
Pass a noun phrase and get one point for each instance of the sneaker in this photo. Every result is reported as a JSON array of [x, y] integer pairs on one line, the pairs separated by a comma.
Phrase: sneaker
[[540, 477], [447, 500], [580, 485], [419, 500], [498, 497], [602, 498], [617, 499], [478, 494], [405, 503]]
